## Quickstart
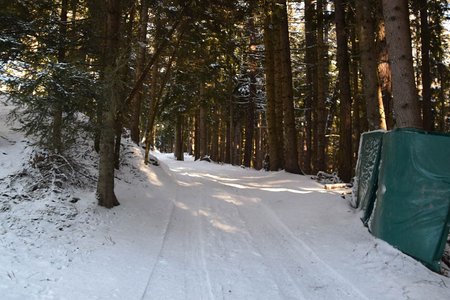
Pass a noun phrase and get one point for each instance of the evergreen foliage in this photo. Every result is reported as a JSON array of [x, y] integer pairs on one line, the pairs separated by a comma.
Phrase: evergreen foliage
[[36, 91], [37, 80], [201, 68]]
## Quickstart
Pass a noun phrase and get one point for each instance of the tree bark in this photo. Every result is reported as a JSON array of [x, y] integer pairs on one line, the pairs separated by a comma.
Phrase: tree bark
[[57, 144], [237, 141], [320, 114], [384, 74], [269, 68], [425, 41], [310, 70], [259, 154], [105, 185], [158, 50], [215, 133], [356, 90], [229, 125], [125, 76], [443, 81], [179, 154], [250, 124], [398, 36], [345, 128], [140, 61], [152, 111], [368, 57], [290, 133], [197, 135], [202, 125], [156, 95]]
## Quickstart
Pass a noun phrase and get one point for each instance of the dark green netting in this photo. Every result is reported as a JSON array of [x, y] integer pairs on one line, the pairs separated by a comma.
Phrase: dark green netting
[[366, 177], [413, 197]]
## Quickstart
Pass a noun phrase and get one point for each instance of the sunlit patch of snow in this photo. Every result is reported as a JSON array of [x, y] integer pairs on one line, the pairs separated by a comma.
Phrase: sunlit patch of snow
[[192, 230]]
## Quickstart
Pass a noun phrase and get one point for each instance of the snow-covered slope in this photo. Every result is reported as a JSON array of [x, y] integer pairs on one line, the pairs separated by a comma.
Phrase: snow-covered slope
[[191, 230]]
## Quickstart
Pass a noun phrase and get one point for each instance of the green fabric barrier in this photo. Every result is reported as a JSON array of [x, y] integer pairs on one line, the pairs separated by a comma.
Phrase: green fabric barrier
[[366, 173], [413, 198]]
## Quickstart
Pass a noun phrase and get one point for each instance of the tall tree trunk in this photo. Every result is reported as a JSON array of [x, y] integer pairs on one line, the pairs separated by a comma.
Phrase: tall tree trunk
[[427, 109], [237, 143], [197, 135], [290, 133], [259, 154], [97, 13], [443, 80], [152, 111], [140, 61], [368, 56], [384, 74], [278, 77], [272, 124], [118, 138], [222, 136], [202, 125], [229, 126], [356, 91], [155, 97], [310, 70], [345, 128], [398, 36], [250, 125], [105, 184], [179, 20], [191, 124], [215, 133], [320, 115], [179, 154], [125, 75], [57, 144]]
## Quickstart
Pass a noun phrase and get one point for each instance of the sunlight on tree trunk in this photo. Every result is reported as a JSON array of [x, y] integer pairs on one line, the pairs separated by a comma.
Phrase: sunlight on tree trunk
[[398, 36]]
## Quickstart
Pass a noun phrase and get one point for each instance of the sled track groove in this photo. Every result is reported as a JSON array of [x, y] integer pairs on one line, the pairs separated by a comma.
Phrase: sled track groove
[[164, 240]]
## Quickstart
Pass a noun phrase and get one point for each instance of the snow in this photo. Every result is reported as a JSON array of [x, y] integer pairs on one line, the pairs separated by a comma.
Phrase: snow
[[192, 230]]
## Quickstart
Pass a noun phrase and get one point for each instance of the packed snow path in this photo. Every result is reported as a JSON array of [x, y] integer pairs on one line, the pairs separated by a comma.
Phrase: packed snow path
[[191, 230], [234, 246], [239, 234]]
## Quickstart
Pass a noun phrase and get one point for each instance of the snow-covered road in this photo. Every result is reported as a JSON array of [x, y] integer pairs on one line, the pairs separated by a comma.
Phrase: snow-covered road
[[240, 234], [190, 230]]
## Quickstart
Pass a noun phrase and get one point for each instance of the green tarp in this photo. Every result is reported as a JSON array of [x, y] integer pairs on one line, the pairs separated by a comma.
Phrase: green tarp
[[413, 198], [366, 177]]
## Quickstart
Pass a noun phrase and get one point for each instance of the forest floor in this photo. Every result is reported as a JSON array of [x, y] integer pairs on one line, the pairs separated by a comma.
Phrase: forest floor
[[187, 230]]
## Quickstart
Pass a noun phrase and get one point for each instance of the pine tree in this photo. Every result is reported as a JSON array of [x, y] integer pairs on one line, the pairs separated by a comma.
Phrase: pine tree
[[290, 135], [398, 36], [52, 89], [345, 129], [105, 184], [136, 102], [368, 57]]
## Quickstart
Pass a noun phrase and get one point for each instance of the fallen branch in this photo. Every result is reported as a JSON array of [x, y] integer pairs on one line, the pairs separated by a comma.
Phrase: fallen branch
[[332, 186]]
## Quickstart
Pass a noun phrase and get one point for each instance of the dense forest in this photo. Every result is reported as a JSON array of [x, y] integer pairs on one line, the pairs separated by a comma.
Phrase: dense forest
[[265, 84]]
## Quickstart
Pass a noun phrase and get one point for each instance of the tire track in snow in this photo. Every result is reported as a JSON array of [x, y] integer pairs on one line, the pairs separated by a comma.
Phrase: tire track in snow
[[158, 257], [243, 274], [180, 269], [260, 257], [286, 283], [302, 244], [315, 277], [232, 269], [202, 253]]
